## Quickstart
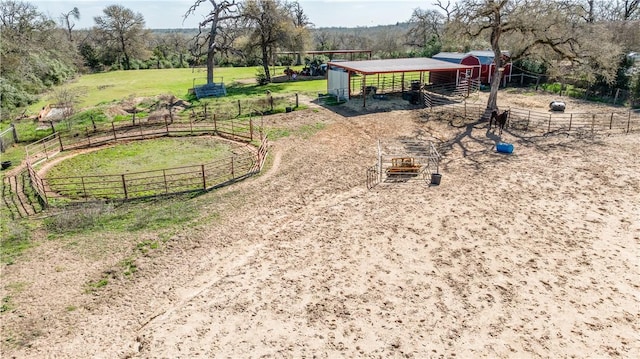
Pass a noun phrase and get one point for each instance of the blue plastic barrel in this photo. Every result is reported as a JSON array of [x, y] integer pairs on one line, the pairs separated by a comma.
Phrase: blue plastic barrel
[[504, 147]]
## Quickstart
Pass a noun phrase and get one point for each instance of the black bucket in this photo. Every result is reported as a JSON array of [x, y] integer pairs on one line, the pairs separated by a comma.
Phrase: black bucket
[[436, 178], [288, 109], [5, 164]]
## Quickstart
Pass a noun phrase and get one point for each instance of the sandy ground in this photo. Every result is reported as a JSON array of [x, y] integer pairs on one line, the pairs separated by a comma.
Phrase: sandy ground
[[533, 254]]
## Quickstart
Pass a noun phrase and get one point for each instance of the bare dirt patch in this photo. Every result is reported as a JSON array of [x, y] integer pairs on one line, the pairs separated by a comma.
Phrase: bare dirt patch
[[532, 254]]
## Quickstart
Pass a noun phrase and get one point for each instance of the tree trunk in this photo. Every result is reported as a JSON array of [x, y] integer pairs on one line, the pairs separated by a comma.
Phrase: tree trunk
[[265, 62], [496, 31], [211, 49]]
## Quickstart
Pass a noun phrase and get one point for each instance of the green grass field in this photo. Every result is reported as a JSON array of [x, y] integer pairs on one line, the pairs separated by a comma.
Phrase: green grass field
[[109, 87], [140, 156]]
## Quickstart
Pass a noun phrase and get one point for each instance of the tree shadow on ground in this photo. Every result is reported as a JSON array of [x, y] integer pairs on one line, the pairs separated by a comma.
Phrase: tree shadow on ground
[[476, 141]]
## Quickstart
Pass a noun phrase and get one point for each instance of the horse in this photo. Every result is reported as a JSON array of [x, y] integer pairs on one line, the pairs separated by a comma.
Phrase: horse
[[501, 119]]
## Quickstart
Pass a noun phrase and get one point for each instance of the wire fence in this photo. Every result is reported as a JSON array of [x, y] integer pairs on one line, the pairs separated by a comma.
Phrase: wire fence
[[126, 186], [8, 137], [542, 122]]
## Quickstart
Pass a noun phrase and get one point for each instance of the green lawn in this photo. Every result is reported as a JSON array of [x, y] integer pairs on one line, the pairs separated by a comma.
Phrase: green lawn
[[108, 87], [139, 156]]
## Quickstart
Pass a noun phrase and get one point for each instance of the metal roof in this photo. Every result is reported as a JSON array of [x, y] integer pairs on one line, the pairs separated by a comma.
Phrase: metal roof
[[419, 64], [450, 56]]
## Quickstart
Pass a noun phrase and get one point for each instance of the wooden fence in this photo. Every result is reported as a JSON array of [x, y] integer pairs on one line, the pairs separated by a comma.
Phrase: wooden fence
[[543, 122]]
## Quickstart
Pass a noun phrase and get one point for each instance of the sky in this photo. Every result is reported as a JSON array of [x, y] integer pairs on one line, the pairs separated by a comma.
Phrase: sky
[[168, 14]]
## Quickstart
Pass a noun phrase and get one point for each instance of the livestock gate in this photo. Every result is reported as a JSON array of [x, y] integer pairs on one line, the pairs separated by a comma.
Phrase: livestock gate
[[404, 160]]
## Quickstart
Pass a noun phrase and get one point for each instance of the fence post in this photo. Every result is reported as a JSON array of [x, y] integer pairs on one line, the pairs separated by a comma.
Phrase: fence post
[[593, 123], [215, 123], [164, 176], [44, 190], [629, 122], [251, 128], [232, 169], [84, 189], [296, 100], [124, 187], [611, 121], [14, 133], [465, 110], [239, 108], [113, 128], [60, 141], [204, 180], [549, 128], [570, 119]]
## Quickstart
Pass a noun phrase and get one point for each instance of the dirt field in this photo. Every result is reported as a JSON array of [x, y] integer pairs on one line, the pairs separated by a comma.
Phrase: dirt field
[[533, 254]]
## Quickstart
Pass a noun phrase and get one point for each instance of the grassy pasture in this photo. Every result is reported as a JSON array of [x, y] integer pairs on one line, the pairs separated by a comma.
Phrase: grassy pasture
[[140, 156], [109, 87]]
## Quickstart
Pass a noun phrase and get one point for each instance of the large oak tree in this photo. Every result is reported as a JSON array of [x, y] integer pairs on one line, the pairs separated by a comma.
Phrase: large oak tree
[[215, 30], [123, 31]]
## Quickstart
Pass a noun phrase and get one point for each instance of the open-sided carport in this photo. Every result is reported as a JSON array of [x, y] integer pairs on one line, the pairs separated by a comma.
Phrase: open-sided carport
[[340, 75]]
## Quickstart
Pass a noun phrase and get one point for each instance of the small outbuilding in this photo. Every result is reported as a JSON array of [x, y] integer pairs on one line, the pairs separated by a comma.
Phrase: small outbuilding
[[349, 78], [481, 61]]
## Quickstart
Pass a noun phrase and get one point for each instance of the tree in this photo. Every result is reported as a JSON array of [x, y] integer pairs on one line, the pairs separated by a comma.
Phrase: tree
[[66, 21], [270, 22], [34, 55], [299, 37], [552, 31], [123, 31], [425, 31], [223, 13]]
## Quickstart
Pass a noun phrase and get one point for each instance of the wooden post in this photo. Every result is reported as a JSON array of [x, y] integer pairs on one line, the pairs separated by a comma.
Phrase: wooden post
[[629, 122], [204, 181], [296, 100], [611, 121], [60, 141], [164, 176], [570, 119], [549, 128], [537, 82], [14, 133], [239, 108], [364, 90], [84, 189], [124, 187], [44, 192], [113, 128], [593, 122], [134, 116], [251, 127]]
